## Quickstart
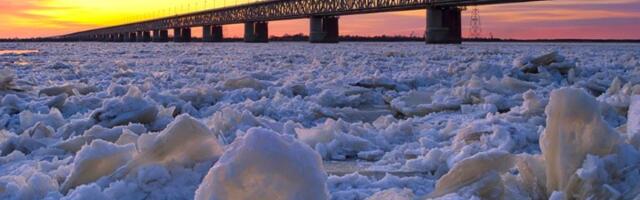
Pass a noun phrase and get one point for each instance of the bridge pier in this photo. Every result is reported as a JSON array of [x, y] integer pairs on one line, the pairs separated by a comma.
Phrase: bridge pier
[[186, 35], [146, 36], [160, 36], [323, 29], [206, 33], [177, 34], [444, 25], [182, 35], [139, 36], [212, 33], [132, 37], [256, 32], [217, 33], [120, 37]]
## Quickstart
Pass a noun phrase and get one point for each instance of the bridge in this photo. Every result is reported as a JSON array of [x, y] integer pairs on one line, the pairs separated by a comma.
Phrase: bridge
[[443, 23]]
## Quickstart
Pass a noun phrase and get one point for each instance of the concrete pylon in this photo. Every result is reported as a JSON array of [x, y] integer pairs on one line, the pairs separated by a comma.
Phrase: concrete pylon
[[206, 33], [139, 37], [132, 37], [256, 32], [177, 35], [444, 25], [212, 33], [185, 35], [146, 36], [323, 29], [160, 36], [216, 33], [120, 37]]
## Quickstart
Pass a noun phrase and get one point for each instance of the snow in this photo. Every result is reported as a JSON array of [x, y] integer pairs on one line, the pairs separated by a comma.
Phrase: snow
[[265, 165], [345, 121]]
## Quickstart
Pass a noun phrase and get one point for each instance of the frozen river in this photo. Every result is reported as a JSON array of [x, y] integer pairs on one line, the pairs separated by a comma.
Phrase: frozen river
[[313, 121]]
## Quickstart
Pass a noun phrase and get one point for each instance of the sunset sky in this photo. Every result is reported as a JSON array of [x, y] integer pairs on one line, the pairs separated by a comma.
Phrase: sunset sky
[[610, 19]]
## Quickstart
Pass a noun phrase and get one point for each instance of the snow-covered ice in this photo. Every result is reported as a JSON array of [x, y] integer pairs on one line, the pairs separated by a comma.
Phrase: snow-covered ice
[[305, 121]]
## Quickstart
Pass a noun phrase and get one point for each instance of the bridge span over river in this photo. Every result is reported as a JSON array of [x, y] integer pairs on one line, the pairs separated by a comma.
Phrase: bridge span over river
[[443, 22]]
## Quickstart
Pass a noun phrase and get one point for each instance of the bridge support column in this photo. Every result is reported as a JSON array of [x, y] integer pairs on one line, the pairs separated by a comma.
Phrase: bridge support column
[[323, 29], [132, 37], [185, 35], [256, 32], [139, 37], [120, 37], [206, 33], [160, 36], [177, 33], [212, 33], [216, 33], [146, 36], [444, 25]]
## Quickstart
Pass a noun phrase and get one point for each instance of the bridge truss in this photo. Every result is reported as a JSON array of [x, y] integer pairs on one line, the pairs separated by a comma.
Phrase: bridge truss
[[280, 10]]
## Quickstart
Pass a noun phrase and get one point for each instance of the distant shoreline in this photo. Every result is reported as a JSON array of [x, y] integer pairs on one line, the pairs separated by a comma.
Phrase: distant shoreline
[[382, 38]]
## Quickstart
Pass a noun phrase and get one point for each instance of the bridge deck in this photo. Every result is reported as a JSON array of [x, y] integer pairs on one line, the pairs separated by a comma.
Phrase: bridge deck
[[282, 10]]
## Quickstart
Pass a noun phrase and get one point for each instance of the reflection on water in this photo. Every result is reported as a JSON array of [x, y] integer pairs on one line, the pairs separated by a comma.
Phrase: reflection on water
[[17, 52]]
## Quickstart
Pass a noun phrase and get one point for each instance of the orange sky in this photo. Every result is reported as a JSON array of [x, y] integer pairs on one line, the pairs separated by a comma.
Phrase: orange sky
[[611, 19]]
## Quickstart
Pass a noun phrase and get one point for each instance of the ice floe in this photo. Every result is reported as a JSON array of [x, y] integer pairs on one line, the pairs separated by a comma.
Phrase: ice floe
[[301, 121]]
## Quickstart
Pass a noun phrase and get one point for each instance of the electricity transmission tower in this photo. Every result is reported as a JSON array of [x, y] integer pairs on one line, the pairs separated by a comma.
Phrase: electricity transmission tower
[[476, 25]]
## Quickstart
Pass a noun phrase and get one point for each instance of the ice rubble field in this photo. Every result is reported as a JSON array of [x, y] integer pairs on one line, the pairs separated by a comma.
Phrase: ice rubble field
[[257, 121]]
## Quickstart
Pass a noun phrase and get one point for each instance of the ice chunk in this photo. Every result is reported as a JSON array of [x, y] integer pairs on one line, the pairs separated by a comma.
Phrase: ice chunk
[[69, 89], [184, 141], [200, 97], [531, 171], [393, 194], [557, 195], [423, 102], [331, 140], [98, 132], [96, 160], [40, 130], [85, 192], [354, 97], [152, 176], [57, 101], [75, 127], [477, 175], [127, 137], [54, 119], [6, 80], [532, 103], [228, 121], [633, 121], [22, 143], [131, 108], [12, 103], [380, 82], [552, 60], [245, 82], [574, 129], [27, 185], [354, 115], [265, 165]]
